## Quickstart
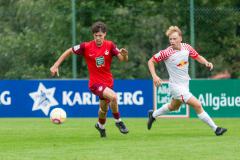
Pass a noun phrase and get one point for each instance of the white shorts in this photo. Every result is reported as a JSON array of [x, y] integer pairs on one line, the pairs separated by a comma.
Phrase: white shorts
[[180, 92]]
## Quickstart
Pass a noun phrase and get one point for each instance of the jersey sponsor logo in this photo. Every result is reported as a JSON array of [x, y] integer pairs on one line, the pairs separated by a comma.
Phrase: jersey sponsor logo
[[182, 64], [77, 47], [106, 52], [100, 61]]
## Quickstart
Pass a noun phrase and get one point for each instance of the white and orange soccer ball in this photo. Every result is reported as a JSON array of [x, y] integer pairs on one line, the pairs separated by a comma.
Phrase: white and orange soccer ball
[[58, 116]]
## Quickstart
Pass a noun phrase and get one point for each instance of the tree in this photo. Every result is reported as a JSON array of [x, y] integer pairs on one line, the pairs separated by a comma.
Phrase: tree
[[35, 33]]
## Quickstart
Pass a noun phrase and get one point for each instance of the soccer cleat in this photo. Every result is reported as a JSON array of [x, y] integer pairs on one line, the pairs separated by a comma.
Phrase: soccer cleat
[[151, 119], [220, 131], [101, 131], [122, 128]]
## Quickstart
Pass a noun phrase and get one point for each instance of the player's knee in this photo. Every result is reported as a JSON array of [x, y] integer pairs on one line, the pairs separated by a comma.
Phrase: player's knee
[[172, 107], [114, 98]]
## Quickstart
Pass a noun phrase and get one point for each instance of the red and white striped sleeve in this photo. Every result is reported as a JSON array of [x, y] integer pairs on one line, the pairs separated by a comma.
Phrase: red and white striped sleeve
[[192, 52], [162, 55]]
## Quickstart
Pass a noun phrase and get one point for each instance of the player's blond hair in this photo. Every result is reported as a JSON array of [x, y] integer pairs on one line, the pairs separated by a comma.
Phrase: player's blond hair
[[172, 29]]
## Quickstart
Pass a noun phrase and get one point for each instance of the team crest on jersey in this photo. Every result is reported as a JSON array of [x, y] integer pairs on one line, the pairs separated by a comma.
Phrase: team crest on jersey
[[100, 88], [182, 64], [106, 52], [100, 61]]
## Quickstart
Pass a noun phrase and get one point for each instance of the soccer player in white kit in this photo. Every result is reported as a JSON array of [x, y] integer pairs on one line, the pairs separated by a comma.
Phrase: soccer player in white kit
[[175, 58]]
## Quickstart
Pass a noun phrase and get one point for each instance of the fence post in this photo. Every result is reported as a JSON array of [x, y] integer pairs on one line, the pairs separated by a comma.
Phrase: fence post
[[192, 38], [74, 57]]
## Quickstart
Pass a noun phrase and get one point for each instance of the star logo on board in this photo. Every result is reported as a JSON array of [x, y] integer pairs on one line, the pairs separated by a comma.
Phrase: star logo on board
[[43, 99]]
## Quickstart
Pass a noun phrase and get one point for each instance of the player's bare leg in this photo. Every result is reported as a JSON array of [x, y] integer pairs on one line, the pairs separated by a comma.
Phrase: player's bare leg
[[112, 96], [102, 114], [194, 102], [152, 115], [174, 105]]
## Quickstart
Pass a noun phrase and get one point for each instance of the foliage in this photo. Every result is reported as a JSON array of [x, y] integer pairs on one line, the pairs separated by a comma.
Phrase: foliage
[[35, 33]]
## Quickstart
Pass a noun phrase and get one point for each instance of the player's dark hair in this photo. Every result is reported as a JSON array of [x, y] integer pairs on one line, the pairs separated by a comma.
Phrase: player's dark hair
[[99, 27]]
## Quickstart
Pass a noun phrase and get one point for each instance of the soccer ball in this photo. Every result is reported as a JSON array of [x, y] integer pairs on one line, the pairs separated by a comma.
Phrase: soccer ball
[[58, 116]]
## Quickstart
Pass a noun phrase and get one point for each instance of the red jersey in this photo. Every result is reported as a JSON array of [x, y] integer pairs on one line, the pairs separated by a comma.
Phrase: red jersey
[[98, 60]]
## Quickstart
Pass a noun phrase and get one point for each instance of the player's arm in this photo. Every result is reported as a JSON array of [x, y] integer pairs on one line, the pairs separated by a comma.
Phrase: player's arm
[[199, 58], [123, 55], [151, 66], [54, 68], [203, 61]]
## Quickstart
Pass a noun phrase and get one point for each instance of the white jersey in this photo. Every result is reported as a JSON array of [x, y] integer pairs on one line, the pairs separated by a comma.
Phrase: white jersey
[[177, 63]]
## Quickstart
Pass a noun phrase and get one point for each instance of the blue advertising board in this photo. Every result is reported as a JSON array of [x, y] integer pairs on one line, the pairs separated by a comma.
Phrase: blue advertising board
[[36, 98]]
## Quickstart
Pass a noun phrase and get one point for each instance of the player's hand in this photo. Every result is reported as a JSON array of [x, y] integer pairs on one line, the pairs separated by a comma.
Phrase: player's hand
[[157, 81], [209, 65], [123, 52], [54, 70]]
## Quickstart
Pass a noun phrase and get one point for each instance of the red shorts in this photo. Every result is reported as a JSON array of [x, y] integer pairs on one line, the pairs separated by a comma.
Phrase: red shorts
[[98, 89]]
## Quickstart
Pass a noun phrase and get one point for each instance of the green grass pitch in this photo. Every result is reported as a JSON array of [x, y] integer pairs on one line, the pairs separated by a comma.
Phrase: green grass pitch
[[77, 139]]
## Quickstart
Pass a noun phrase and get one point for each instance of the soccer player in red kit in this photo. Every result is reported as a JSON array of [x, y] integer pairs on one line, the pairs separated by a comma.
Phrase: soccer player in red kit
[[98, 55]]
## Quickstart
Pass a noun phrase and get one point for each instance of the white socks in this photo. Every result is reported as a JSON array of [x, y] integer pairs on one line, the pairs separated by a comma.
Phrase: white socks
[[118, 120], [203, 116], [208, 120], [101, 126], [163, 110]]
